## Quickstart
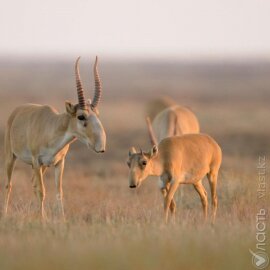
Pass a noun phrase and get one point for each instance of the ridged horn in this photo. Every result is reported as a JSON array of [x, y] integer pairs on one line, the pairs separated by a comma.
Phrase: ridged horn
[[81, 99], [97, 95], [152, 136]]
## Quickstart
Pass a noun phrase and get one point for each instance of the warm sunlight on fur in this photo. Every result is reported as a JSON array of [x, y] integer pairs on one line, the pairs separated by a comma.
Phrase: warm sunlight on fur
[[179, 160], [107, 224], [40, 136]]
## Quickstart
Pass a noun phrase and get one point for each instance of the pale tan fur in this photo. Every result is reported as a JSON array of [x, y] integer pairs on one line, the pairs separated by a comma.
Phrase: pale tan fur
[[179, 160], [174, 121], [157, 105], [40, 136]]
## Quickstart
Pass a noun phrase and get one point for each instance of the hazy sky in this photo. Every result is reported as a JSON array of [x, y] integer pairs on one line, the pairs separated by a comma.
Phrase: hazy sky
[[138, 28]]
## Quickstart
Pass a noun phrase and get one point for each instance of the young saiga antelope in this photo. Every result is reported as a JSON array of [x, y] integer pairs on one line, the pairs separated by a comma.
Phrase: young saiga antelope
[[179, 160], [40, 136], [172, 121]]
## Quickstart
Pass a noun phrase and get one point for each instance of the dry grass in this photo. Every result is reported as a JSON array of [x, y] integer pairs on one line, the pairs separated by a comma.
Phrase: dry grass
[[110, 226]]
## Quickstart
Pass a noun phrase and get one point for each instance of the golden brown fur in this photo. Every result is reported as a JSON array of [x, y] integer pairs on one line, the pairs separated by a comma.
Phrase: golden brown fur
[[172, 121], [179, 160]]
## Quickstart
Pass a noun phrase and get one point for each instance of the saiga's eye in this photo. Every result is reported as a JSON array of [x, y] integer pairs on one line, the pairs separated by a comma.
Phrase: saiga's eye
[[81, 117], [144, 162]]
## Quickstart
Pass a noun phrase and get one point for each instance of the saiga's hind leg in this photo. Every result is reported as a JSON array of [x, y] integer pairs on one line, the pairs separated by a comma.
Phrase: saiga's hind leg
[[212, 178], [203, 195], [9, 166]]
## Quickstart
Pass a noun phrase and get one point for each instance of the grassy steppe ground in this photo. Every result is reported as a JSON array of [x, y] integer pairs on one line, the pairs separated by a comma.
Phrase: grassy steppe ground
[[110, 226]]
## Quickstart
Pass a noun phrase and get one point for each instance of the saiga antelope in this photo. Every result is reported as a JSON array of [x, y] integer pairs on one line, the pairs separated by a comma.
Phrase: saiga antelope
[[173, 121], [158, 104], [40, 136], [179, 160]]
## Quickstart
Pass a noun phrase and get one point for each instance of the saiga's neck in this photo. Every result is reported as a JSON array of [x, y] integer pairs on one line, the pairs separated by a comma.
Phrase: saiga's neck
[[64, 135], [156, 168]]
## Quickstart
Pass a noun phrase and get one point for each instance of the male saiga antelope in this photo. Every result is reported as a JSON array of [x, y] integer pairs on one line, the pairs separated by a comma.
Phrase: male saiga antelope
[[40, 136], [179, 160]]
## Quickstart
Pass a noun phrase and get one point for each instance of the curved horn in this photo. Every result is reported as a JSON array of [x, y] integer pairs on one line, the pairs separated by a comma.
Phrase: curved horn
[[152, 136], [82, 104], [97, 95]]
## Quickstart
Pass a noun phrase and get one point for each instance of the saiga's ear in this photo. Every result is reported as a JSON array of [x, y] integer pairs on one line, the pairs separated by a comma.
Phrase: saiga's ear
[[132, 151], [70, 108], [154, 151]]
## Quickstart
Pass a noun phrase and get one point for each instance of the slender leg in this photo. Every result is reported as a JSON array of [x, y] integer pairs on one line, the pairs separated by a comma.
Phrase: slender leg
[[40, 190], [173, 209], [203, 194], [169, 198], [164, 192], [34, 182], [9, 168], [59, 168], [212, 177]]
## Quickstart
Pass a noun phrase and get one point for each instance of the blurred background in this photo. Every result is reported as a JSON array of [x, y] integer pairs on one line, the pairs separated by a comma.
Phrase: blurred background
[[136, 29], [211, 56]]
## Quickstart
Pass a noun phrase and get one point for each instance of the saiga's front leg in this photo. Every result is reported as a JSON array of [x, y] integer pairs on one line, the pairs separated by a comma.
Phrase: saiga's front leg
[[34, 181], [59, 168], [168, 200], [164, 192], [40, 189]]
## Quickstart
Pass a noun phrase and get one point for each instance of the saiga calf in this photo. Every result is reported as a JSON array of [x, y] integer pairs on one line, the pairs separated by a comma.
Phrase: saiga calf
[[179, 160]]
